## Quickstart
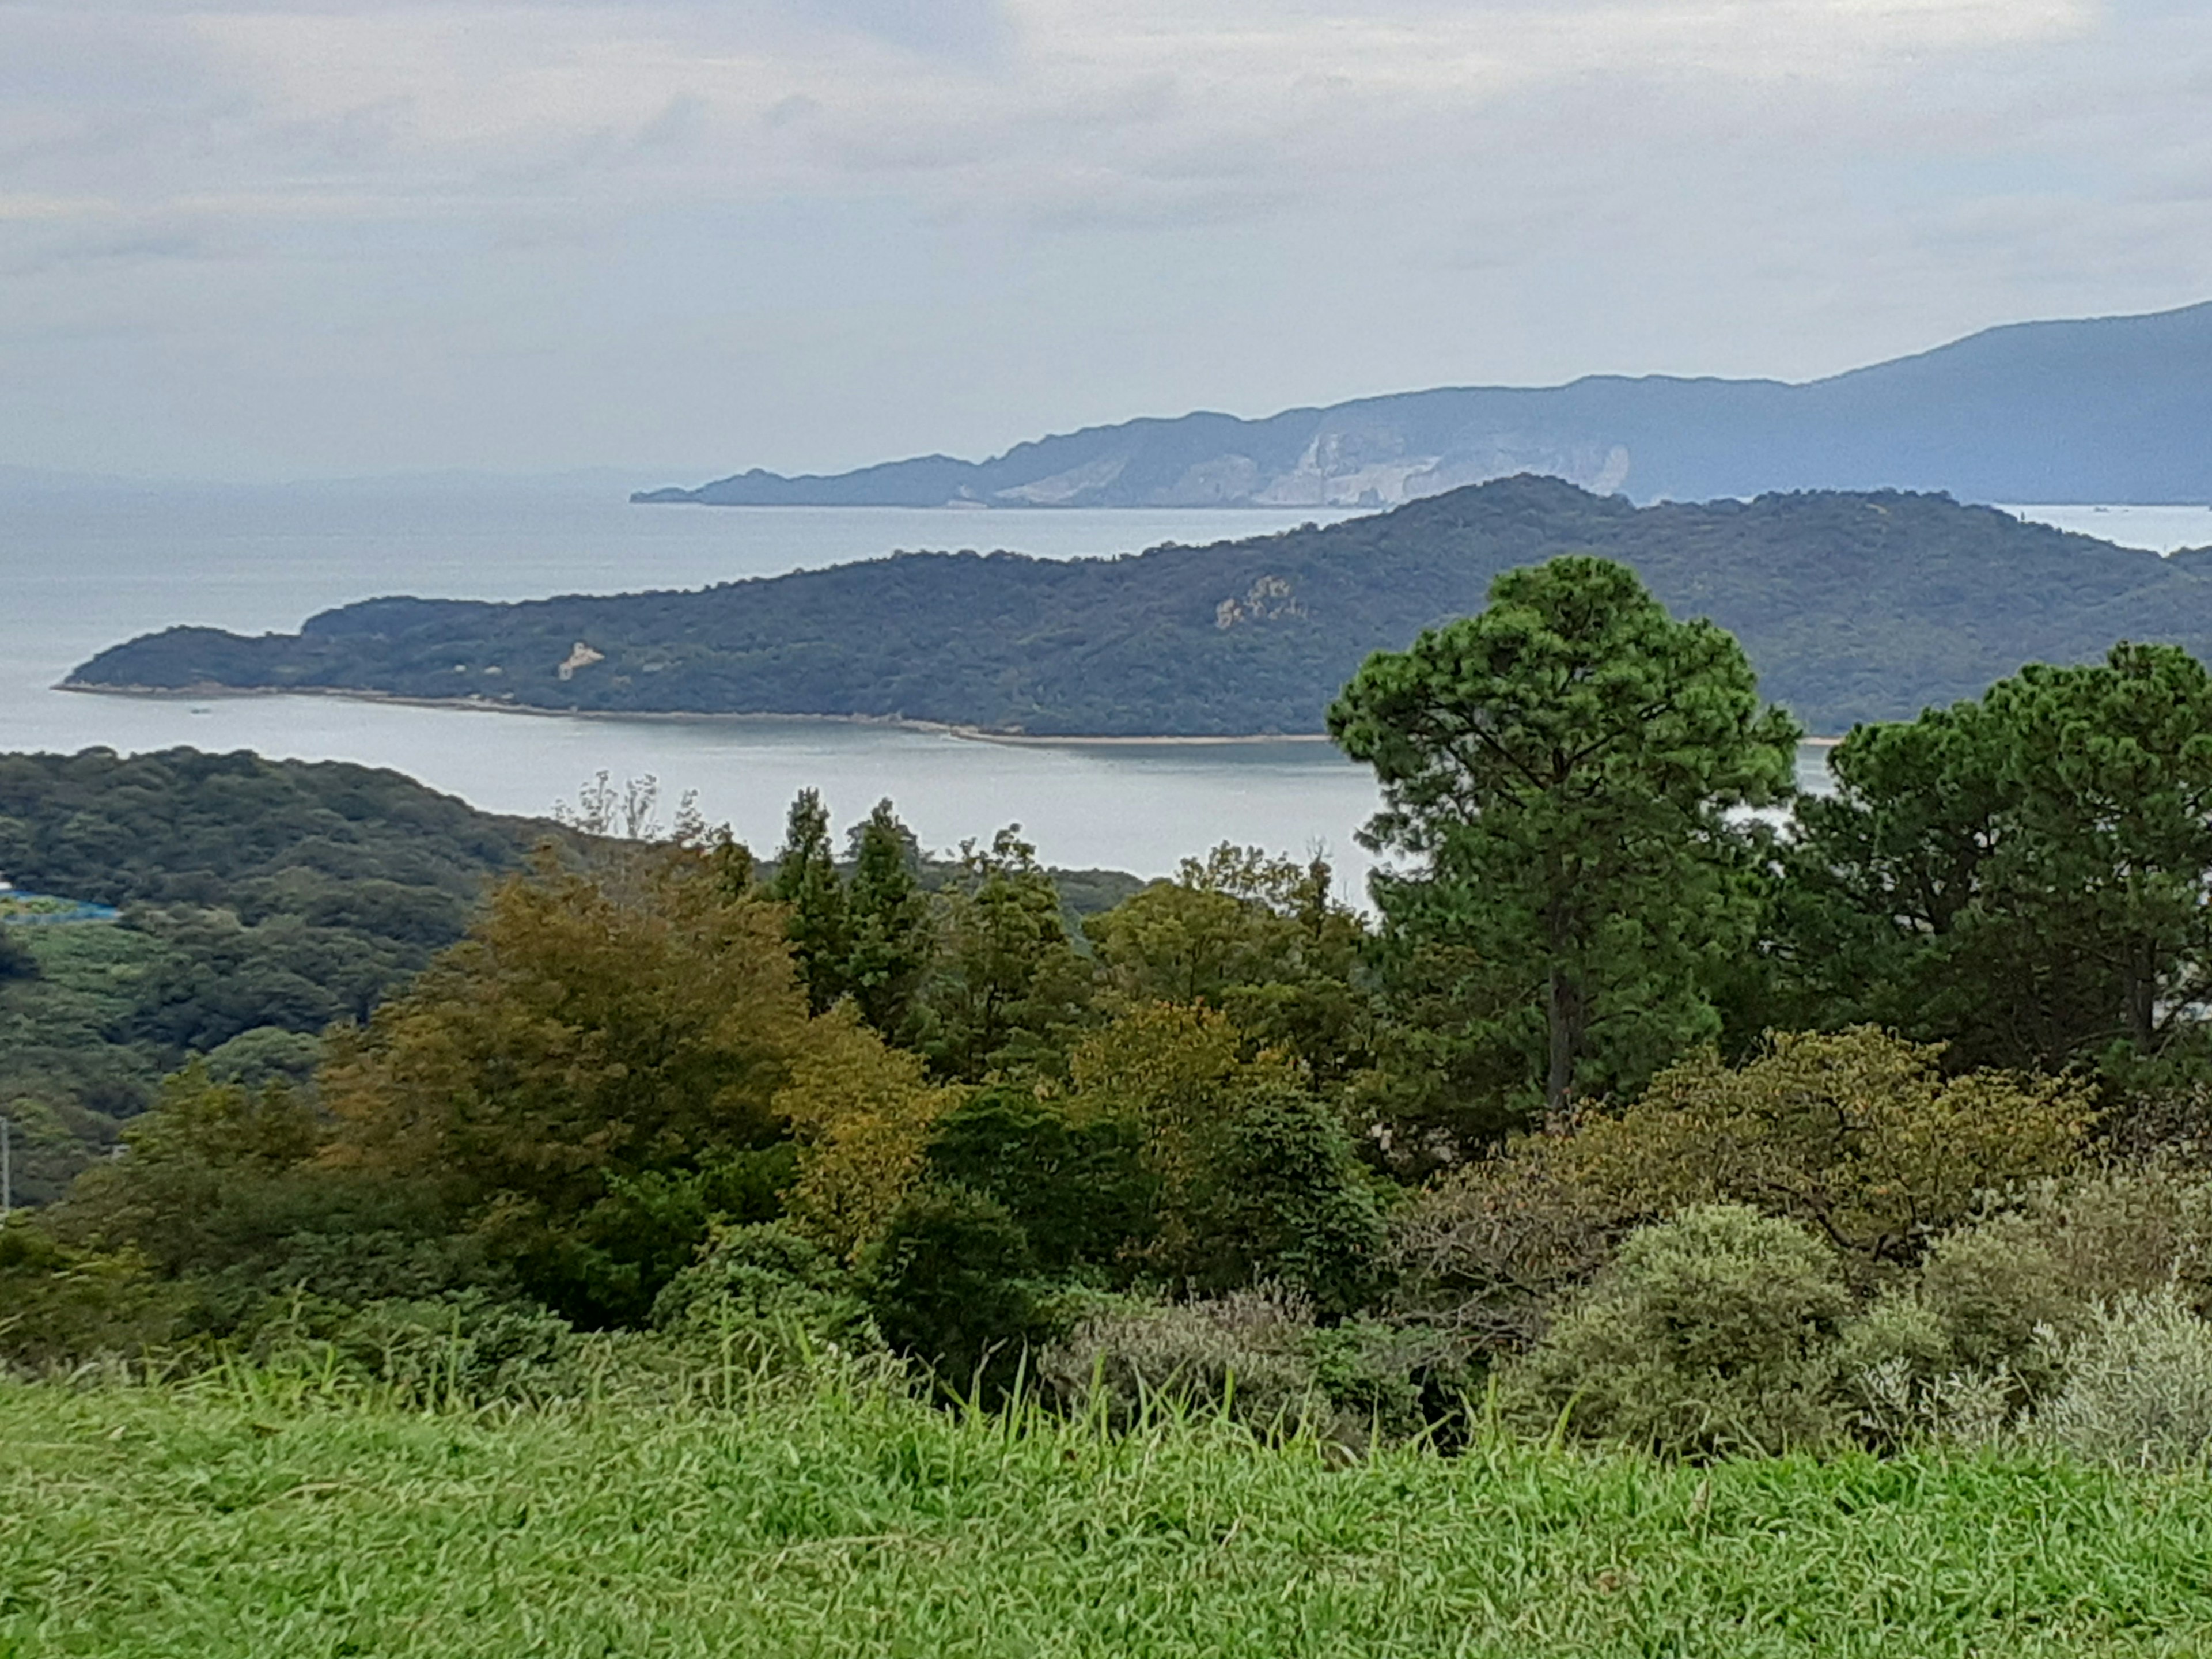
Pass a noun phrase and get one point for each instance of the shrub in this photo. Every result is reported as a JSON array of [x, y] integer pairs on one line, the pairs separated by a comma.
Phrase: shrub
[[1480, 1255], [1711, 1334], [2127, 1232], [2138, 1387], [468, 1348], [60, 1307], [1962, 1350], [1246, 1350], [950, 1283], [776, 1295], [1855, 1133], [1075, 1185]]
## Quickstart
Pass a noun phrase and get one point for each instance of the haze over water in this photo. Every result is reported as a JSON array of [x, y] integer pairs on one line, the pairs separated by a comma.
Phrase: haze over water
[[83, 569]]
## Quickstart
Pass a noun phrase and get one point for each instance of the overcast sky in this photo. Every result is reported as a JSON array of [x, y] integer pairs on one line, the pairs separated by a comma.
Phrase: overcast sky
[[309, 237]]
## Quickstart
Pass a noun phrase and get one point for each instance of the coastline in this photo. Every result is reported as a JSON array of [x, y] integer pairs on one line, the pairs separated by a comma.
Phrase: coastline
[[897, 722], [490, 706]]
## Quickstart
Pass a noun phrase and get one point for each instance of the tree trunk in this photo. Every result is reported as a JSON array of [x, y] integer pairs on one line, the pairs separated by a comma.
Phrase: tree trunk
[[1564, 1013]]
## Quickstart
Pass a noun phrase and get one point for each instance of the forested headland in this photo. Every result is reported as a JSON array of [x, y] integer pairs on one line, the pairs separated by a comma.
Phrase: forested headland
[[1679, 1209], [1850, 606]]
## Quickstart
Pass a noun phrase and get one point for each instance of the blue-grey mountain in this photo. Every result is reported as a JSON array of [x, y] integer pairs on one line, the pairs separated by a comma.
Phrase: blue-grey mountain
[[2115, 408]]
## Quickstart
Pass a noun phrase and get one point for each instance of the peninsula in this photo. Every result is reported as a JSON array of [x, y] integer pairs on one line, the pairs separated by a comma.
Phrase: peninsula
[[1852, 606]]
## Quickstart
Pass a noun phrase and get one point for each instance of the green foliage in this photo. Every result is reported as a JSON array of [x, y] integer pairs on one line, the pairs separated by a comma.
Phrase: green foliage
[[950, 1283], [806, 882], [1855, 1133], [1710, 1335], [563, 1075], [2021, 876], [60, 1308], [1562, 769], [1076, 1186], [888, 924], [17, 959], [1008, 984], [2138, 1390], [260, 896], [1254, 1179], [1260, 937], [770, 1290]]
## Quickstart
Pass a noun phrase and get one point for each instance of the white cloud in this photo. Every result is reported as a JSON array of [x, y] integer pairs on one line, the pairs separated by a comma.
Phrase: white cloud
[[1035, 212]]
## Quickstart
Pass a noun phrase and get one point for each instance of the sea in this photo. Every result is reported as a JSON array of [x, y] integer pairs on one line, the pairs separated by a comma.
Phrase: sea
[[84, 566]]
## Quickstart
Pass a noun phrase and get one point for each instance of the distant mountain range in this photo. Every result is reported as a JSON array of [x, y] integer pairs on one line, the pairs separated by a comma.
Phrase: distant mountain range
[[2115, 408], [1852, 606]]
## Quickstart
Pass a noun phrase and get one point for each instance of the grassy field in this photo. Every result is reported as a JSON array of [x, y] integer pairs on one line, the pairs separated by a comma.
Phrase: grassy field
[[226, 1521]]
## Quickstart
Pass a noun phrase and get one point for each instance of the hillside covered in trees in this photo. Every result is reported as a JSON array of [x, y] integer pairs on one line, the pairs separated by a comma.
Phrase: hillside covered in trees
[[260, 900], [1852, 607]]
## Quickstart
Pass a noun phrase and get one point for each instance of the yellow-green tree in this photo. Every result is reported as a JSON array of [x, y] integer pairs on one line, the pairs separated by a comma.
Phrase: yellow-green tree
[[581, 1073], [863, 1112], [1855, 1133]]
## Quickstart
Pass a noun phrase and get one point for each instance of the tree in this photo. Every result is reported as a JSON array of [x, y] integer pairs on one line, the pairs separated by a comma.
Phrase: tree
[[1562, 769], [1008, 982], [1252, 1178], [863, 1112], [888, 932], [1260, 938], [2025, 876], [596, 1037], [807, 881]]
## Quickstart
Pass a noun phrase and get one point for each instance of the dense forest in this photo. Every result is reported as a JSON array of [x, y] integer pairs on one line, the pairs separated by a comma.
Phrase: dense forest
[[1626, 1118], [261, 901], [1852, 607]]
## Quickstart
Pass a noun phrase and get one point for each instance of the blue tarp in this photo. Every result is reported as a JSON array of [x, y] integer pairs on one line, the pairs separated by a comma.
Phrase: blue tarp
[[78, 910]]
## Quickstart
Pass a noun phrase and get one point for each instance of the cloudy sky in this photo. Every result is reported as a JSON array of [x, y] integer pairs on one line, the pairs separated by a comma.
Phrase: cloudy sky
[[284, 238]]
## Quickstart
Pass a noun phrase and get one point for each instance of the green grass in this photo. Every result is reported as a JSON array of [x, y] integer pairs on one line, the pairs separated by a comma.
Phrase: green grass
[[236, 1520]]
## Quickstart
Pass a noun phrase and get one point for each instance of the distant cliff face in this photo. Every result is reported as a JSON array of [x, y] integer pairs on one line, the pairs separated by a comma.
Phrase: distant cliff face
[[2111, 409]]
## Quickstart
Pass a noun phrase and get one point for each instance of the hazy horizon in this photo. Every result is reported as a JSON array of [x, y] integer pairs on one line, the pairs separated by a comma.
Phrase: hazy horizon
[[259, 240]]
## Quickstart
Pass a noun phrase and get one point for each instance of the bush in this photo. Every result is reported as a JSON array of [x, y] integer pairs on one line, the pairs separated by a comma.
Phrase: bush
[[1247, 1351], [1481, 1254], [1712, 1334], [1857, 1134], [467, 1349], [950, 1283], [61, 1308], [2138, 1389], [2129, 1231], [1286, 1200], [776, 1295], [1960, 1352], [1076, 1186]]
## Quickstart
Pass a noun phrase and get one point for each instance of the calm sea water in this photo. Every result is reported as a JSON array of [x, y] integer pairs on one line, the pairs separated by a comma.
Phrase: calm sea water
[[80, 570]]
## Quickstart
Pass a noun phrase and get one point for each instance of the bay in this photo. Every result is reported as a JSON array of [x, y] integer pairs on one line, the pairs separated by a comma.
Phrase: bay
[[83, 567]]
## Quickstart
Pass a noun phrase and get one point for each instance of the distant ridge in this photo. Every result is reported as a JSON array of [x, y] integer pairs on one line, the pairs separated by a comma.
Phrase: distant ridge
[[1852, 606], [2114, 409]]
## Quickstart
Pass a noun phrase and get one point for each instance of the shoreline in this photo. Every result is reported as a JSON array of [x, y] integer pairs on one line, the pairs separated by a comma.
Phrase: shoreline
[[489, 706], [896, 722]]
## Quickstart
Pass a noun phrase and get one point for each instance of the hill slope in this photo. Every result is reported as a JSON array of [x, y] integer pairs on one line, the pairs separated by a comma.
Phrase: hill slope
[[2113, 409], [1853, 607]]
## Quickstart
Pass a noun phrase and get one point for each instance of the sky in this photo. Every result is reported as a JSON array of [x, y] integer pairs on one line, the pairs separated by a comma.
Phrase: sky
[[281, 239]]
